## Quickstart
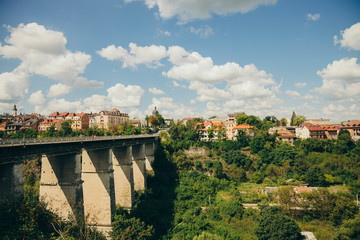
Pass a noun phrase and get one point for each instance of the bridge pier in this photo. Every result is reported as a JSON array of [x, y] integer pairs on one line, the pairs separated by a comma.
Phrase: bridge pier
[[139, 167], [11, 181], [123, 176], [98, 188], [60, 183], [149, 155]]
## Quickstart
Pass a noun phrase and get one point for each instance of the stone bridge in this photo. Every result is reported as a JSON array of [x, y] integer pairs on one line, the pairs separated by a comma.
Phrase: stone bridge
[[93, 173]]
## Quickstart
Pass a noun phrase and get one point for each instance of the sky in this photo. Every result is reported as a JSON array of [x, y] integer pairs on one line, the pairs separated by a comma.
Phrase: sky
[[188, 58]]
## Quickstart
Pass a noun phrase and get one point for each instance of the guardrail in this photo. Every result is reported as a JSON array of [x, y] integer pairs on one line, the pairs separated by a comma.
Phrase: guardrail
[[35, 141]]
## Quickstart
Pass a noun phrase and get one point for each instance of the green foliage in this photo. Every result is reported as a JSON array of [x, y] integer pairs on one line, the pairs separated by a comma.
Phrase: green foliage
[[315, 177], [275, 225], [238, 158], [207, 236], [129, 228]]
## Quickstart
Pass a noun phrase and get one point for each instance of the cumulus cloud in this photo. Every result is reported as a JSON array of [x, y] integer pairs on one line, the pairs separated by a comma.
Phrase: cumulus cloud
[[340, 112], [293, 94], [37, 98], [125, 96], [14, 86], [148, 55], [341, 80], [43, 52], [204, 31], [300, 84], [156, 91], [313, 17], [169, 109], [187, 10], [58, 90], [349, 38]]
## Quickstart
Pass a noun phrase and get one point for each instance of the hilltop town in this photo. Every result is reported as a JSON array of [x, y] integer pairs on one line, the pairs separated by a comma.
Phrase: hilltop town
[[114, 122]]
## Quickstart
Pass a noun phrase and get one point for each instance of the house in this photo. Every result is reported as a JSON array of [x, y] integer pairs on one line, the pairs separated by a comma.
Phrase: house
[[46, 124], [353, 127], [57, 115], [244, 127], [317, 131], [229, 126], [106, 119], [79, 121], [138, 122], [216, 127], [286, 136]]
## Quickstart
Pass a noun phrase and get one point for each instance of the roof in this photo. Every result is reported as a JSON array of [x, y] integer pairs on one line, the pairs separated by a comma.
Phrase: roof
[[48, 121], [283, 133], [57, 114], [352, 123], [211, 123], [243, 126], [322, 127]]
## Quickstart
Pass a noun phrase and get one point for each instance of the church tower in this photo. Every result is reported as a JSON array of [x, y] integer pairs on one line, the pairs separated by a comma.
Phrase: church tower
[[14, 111]]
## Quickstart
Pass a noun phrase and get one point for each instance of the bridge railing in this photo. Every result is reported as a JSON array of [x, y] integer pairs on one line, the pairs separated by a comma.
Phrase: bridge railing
[[32, 141]]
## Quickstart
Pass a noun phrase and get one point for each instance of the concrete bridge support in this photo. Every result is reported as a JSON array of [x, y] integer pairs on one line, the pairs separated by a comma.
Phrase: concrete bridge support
[[123, 176], [98, 188], [149, 155], [11, 181], [138, 153], [60, 183]]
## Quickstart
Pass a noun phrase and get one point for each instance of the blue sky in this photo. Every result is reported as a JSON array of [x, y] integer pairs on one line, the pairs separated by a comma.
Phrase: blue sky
[[188, 58]]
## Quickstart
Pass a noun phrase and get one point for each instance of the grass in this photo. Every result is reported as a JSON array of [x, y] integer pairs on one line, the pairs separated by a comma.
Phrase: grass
[[322, 230]]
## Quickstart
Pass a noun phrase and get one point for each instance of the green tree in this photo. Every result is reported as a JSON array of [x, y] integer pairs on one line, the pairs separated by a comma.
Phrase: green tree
[[275, 225], [315, 177], [283, 122], [66, 129], [298, 119], [292, 118], [127, 228]]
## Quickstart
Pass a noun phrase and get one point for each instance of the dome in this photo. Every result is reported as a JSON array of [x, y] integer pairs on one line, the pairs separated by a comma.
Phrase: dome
[[155, 112]]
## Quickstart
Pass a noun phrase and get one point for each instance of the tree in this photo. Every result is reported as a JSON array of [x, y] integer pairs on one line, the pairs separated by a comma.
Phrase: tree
[[154, 122], [292, 118], [298, 119], [275, 225], [66, 129], [315, 177], [283, 122]]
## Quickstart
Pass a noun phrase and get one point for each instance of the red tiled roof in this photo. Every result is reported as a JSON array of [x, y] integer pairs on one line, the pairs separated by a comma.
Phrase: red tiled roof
[[243, 126], [352, 123], [322, 127]]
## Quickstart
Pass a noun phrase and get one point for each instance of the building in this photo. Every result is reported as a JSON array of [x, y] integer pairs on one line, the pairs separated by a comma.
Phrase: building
[[317, 131], [205, 129], [14, 111], [229, 125], [57, 115], [106, 119], [138, 122], [46, 124], [79, 121], [285, 136], [92, 119], [243, 127], [353, 127]]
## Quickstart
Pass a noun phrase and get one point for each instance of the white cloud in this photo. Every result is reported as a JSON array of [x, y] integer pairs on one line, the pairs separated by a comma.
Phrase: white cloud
[[341, 80], [14, 87], [187, 10], [96, 103], [204, 31], [58, 90], [350, 37], [43, 52], [156, 91], [300, 84], [313, 17], [169, 109], [149, 55], [37, 98], [125, 96], [341, 112], [293, 94], [165, 33]]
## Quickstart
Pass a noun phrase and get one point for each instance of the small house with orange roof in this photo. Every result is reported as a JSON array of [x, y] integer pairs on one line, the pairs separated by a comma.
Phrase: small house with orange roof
[[58, 115], [243, 127], [286, 136], [208, 127]]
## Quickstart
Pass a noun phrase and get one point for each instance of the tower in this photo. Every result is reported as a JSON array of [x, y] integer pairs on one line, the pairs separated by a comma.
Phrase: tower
[[14, 111]]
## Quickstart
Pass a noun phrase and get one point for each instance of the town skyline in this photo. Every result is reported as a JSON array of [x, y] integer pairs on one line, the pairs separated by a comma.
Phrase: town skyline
[[263, 58]]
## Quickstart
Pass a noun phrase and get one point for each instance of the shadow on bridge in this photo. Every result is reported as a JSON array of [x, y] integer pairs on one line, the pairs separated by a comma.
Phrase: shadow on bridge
[[156, 205]]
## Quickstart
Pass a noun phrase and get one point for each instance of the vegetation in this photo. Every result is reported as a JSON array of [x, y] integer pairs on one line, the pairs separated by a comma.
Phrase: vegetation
[[198, 189]]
